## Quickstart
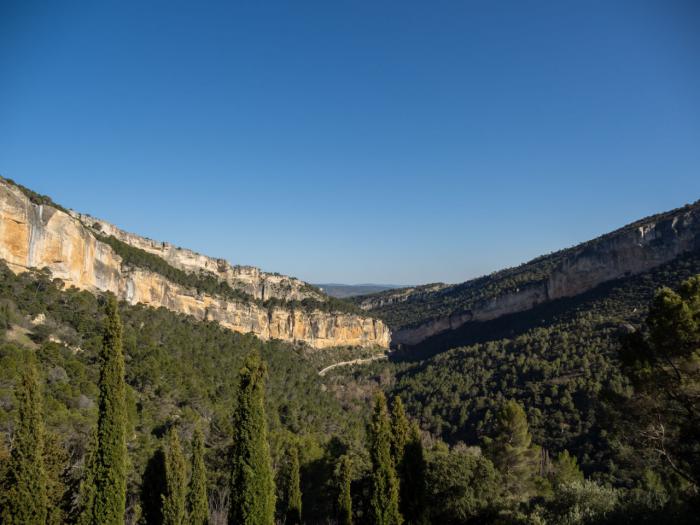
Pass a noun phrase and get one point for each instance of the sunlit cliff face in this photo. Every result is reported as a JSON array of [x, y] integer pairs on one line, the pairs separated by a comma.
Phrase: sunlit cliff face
[[40, 236]]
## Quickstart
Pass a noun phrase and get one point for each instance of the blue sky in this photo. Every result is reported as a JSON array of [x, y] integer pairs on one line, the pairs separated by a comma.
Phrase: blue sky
[[353, 141]]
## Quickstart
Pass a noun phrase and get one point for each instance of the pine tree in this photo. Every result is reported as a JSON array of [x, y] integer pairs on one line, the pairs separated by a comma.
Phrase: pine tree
[[566, 469], [25, 498], [412, 473], [252, 484], [198, 500], [384, 502], [344, 494], [174, 499], [293, 487], [104, 488], [511, 450], [400, 429]]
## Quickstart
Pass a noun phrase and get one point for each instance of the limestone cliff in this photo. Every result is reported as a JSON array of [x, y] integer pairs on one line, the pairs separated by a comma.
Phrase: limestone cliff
[[631, 250], [42, 236], [253, 281]]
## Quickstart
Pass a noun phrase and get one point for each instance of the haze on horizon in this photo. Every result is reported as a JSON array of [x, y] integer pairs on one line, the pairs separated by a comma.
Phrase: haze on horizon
[[358, 142]]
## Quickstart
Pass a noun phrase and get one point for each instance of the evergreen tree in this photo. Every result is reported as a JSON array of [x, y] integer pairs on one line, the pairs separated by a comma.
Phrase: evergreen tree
[[56, 460], [252, 484], [174, 499], [412, 473], [663, 366], [153, 488], [566, 469], [292, 487], [198, 500], [344, 494], [400, 429], [105, 485], [384, 501], [25, 499], [511, 450]]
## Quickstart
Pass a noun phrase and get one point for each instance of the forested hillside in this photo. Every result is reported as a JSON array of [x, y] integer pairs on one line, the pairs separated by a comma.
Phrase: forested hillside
[[560, 360], [225, 428]]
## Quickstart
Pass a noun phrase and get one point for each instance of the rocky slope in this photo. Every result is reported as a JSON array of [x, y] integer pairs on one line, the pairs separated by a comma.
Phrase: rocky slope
[[34, 235], [417, 315]]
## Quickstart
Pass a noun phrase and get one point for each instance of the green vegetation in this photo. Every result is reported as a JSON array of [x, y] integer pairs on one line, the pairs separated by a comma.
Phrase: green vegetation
[[559, 361], [291, 486], [107, 469], [510, 448], [198, 500], [385, 483], [24, 499], [411, 471], [344, 491], [252, 485], [584, 381], [174, 499]]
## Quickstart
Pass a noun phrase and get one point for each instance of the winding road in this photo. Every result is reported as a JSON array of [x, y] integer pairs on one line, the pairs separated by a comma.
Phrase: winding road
[[360, 361]]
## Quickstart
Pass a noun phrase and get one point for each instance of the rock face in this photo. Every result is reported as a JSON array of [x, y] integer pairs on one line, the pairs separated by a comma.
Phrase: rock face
[[253, 281], [41, 236], [628, 251]]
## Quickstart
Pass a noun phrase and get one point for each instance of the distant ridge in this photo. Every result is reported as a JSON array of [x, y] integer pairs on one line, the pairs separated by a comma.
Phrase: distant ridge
[[351, 290]]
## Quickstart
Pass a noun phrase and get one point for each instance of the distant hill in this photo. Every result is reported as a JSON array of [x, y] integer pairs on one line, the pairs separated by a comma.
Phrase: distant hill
[[351, 290]]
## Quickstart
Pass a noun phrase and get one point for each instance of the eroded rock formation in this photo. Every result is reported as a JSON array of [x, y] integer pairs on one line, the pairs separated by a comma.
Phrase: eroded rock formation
[[42, 236]]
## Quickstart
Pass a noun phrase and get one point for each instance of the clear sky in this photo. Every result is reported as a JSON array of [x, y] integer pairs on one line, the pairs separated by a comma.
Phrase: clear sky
[[356, 141]]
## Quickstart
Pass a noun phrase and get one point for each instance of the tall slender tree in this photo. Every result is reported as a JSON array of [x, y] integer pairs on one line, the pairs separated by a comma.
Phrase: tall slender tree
[[252, 483], [174, 499], [198, 500], [412, 474], [292, 489], [400, 429], [384, 501], [104, 487], [344, 492], [25, 498]]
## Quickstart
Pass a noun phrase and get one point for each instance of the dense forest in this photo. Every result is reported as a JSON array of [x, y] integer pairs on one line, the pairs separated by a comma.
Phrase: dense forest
[[585, 412]]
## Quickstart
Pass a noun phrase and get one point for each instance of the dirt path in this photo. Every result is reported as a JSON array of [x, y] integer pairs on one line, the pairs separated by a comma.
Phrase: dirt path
[[353, 362]]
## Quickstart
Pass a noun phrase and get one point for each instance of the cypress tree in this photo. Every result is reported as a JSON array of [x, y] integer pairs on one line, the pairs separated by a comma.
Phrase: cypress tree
[[293, 488], [198, 500], [25, 499], [344, 494], [384, 502], [412, 473], [400, 429], [175, 482], [104, 488], [252, 484], [154, 488]]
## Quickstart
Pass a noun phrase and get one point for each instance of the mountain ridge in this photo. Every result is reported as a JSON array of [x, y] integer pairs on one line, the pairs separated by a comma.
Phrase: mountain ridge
[[417, 313]]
